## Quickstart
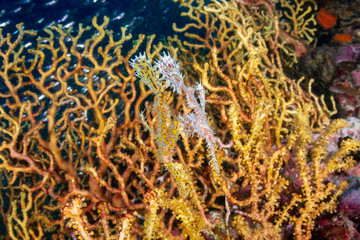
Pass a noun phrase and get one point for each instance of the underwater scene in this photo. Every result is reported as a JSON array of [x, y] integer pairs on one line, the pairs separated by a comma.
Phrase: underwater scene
[[180, 119]]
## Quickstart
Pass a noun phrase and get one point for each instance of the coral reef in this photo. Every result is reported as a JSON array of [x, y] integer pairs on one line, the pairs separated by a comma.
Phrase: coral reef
[[204, 138]]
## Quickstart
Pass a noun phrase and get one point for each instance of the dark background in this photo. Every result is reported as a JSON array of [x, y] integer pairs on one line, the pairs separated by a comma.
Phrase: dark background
[[139, 16]]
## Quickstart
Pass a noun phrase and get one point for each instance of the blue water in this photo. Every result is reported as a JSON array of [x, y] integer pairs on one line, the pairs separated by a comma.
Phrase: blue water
[[139, 16]]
